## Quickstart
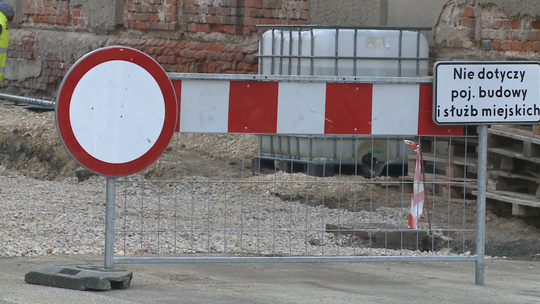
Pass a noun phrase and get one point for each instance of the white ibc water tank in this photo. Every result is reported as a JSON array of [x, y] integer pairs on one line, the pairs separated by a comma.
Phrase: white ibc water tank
[[317, 51], [320, 51]]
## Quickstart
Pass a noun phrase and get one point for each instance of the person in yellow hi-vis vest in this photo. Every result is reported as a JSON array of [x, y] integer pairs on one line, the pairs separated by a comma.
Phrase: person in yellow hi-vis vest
[[6, 16]]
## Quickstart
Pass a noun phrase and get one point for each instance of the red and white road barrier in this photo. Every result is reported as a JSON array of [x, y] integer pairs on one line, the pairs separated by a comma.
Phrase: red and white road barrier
[[228, 106]]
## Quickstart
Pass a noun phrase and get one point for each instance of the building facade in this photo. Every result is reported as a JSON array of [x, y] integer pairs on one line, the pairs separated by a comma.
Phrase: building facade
[[220, 36]]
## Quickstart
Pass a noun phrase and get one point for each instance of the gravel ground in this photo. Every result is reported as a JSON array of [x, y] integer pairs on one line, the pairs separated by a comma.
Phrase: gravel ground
[[50, 218], [44, 217], [45, 210]]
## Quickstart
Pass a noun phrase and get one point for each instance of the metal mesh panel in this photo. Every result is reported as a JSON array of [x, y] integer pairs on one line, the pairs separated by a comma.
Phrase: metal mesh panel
[[205, 199]]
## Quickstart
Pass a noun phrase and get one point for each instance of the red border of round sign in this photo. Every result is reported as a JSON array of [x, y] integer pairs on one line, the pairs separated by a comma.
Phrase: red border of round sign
[[63, 103]]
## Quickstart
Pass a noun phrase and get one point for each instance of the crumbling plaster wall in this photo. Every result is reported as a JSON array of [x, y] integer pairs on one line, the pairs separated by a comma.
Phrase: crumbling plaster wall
[[348, 12], [488, 30], [513, 8], [102, 15]]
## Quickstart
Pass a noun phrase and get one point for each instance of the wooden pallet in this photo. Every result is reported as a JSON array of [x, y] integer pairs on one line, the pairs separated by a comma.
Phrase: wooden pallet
[[446, 166], [514, 177], [455, 189], [452, 146], [536, 129], [519, 183], [515, 143], [522, 204], [450, 164]]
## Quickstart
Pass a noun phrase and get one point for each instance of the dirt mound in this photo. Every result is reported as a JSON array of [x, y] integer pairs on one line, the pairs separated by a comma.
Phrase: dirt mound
[[30, 145]]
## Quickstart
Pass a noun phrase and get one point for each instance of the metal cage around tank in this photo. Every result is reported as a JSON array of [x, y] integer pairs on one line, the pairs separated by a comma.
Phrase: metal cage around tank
[[338, 51]]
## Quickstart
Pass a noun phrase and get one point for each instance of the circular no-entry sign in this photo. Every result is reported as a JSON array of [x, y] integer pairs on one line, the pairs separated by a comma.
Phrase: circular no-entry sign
[[116, 111]]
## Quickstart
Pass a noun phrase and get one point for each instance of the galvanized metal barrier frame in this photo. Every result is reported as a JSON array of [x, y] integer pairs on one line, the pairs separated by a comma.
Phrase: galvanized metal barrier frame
[[478, 257]]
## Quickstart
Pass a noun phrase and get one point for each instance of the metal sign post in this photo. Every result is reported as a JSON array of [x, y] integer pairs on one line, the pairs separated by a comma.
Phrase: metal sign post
[[482, 93], [481, 204], [115, 114], [109, 222], [120, 128]]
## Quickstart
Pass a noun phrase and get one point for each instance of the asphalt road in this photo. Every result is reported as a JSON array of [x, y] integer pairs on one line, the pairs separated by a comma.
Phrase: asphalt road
[[505, 281]]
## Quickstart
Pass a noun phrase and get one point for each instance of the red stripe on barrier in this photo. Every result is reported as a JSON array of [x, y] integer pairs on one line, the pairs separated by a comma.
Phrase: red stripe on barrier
[[177, 85], [426, 126], [253, 107], [348, 108]]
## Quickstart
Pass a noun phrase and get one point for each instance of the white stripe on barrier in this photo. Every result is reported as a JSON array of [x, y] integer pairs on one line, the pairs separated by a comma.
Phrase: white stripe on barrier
[[301, 108], [395, 107], [206, 106]]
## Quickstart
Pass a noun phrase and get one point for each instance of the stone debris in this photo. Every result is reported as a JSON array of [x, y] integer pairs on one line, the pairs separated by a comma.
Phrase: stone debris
[[55, 218]]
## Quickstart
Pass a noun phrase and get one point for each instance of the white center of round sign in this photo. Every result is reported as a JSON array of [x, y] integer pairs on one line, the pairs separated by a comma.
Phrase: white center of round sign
[[120, 111]]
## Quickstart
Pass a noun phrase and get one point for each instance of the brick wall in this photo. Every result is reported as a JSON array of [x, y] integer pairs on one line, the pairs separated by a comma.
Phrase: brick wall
[[47, 12], [220, 36], [236, 17], [196, 57], [501, 33], [486, 32], [195, 36], [152, 14]]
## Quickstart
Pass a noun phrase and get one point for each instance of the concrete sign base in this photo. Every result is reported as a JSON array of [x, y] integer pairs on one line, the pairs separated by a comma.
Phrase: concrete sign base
[[80, 277]]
